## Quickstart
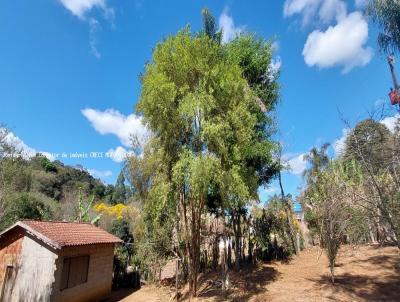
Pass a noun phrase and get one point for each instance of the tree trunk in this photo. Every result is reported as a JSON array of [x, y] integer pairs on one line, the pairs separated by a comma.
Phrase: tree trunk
[[371, 233], [229, 258], [224, 264], [242, 246], [215, 252], [333, 273], [237, 233], [288, 215], [250, 247]]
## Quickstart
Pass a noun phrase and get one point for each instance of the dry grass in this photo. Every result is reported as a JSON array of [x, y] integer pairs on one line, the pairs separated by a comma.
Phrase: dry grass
[[366, 273]]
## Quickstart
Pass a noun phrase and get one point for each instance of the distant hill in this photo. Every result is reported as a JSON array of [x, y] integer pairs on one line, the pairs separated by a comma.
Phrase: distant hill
[[41, 189]]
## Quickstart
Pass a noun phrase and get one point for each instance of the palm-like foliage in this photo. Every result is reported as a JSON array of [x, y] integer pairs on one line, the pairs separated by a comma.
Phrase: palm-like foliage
[[209, 26], [386, 13], [84, 210], [317, 160]]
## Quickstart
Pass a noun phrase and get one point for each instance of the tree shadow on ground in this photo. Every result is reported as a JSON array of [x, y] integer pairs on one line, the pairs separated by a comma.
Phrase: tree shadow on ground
[[370, 288], [385, 261], [250, 281], [364, 287]]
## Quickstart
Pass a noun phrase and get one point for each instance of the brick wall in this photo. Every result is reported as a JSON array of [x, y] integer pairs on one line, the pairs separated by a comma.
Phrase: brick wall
[[10, 250], [98, 285], [35, 275]]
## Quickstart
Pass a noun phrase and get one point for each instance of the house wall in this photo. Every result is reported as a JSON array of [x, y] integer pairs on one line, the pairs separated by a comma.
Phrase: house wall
[[35, 274], [10, 250], [98, 285]]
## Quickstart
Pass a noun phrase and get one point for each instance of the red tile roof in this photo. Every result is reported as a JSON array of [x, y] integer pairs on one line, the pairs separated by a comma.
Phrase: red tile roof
[[62, 234]]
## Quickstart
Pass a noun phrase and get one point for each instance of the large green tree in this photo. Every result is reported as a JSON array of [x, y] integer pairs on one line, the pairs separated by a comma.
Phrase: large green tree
[[204, 116], [386, 13], [254, 56]]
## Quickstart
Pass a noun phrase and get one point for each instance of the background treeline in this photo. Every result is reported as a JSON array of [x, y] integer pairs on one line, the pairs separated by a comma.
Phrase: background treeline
[[355, 197], [37, 188]]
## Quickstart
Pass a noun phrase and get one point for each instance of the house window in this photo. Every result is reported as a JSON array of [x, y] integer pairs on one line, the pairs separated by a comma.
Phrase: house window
[[74, 272]]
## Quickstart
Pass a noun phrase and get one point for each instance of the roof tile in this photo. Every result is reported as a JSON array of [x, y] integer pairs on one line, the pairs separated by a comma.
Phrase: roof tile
[[71, 233]]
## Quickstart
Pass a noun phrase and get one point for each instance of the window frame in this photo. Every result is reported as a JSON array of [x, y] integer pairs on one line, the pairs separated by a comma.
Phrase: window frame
[[67, 284]]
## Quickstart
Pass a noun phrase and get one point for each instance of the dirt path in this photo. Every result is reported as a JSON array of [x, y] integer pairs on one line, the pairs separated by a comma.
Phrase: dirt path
[[145, 294], [365, 273]]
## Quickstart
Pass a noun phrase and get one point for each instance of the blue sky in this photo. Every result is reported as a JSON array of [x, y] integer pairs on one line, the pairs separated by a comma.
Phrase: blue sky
[[69, 71]]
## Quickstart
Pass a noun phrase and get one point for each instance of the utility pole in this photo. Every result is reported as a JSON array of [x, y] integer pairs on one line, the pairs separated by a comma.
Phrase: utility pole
[[391, 62]]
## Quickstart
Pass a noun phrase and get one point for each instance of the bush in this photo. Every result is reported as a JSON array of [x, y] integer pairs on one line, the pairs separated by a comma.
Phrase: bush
[[26, 206]]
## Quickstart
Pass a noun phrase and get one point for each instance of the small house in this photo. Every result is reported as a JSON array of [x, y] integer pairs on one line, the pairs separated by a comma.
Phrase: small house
[[55, 261]]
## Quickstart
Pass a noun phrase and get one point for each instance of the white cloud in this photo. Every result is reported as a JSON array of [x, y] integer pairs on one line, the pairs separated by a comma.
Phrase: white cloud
[[339, 144], [274, 67], [100, 174], [340, 45], [275, 46], [313, 10], [80, 8], [297, 164], [93, 25], [119, 154], [26, 151], [227, 25], [113, 122], [306, 7], [391, 122], [332, 9]]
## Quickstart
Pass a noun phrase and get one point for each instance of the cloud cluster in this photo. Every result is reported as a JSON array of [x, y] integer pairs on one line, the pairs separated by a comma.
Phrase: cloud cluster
[[342, 44], [119, 154], [19, 145], [100, 174], [322, 10], [339, 144], [111, 121], [391, 122], [227, 25], [128, 129], [274, 67], [296, 164], [81, 10]]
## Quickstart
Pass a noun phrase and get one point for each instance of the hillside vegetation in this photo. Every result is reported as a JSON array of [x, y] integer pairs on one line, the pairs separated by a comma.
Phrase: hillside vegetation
[[37, 188]]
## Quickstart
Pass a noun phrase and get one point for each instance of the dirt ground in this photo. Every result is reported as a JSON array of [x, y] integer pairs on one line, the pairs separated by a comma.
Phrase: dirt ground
[[367, 273]]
